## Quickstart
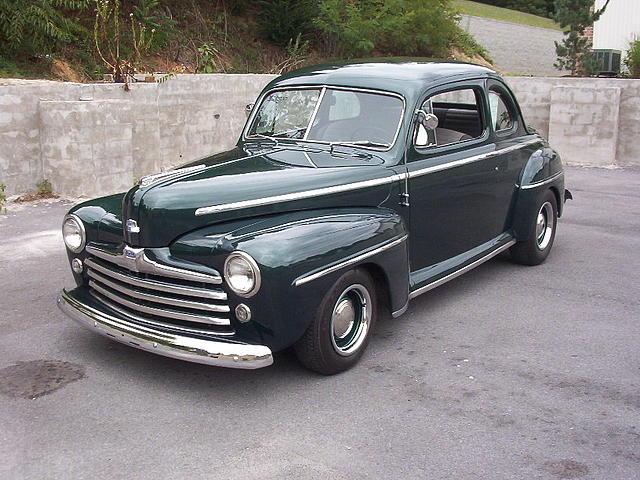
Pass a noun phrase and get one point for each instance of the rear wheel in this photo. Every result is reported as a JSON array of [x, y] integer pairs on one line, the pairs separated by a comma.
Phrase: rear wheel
[[535, 250], [340, 331]]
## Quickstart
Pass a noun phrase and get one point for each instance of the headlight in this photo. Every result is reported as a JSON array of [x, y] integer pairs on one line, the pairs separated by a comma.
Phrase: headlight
[[242, 274], [73, 233]]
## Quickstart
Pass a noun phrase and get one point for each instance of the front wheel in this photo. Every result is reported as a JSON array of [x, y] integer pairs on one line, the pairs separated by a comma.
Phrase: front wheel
[[340, 331], [535, 250]]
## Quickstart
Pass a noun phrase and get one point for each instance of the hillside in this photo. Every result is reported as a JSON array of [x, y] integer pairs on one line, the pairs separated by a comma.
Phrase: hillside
[[226, 36]]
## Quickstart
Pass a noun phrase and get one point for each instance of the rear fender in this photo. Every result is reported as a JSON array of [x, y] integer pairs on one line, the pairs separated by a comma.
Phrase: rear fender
[[542, 172]]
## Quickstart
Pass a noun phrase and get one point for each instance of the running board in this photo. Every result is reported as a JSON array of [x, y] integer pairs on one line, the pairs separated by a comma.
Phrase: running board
[[457, 273]]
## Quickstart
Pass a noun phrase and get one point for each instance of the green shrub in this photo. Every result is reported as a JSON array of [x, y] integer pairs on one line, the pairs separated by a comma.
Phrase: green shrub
[[38, 26], [281, 21], [465, 42], [9, 68], [632, 59], [149, 15], [207, 58], [391, 27], [44, 187]]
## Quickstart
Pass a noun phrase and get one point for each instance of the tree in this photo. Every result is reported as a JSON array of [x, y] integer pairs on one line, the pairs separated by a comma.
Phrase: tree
[[572, 52], [38, 26]]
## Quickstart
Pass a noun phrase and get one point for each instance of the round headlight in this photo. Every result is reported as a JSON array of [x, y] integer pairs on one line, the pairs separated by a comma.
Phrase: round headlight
[[73, 233], [242, 274]]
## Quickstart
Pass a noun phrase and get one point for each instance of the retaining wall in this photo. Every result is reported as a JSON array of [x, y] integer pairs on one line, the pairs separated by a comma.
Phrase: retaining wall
[[97, 139]]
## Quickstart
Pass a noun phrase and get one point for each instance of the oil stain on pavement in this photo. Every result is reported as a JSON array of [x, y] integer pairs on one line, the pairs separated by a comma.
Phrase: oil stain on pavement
[[38, 377], [568, 469]]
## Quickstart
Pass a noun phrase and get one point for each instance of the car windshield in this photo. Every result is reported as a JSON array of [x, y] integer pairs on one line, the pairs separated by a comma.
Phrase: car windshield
[[329, 115]]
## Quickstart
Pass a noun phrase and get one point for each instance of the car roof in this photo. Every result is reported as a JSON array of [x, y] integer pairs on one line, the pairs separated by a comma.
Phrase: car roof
[[408, 77]]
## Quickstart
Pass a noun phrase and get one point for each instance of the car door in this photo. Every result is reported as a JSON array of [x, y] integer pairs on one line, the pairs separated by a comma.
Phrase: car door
[[451, 180], [509, 136]]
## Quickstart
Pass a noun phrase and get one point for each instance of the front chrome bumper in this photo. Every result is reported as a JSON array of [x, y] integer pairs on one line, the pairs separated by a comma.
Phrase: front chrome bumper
[[209, 352]]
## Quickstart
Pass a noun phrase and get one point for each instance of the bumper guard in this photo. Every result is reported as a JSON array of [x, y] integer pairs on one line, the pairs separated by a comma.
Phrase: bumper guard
[[208, 352]]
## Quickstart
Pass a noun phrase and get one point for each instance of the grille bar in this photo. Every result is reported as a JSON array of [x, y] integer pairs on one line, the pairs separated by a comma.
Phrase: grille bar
[[157, 285], [137, 260], [189, 317], [157, 323], [176, 302]]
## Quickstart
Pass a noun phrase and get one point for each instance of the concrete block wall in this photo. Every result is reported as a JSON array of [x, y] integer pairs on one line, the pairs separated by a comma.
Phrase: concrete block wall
[[96, 139], [590, 121]]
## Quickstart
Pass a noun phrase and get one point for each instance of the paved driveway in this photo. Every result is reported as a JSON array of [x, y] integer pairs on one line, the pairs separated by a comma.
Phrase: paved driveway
[[508, 372], [516, 49]]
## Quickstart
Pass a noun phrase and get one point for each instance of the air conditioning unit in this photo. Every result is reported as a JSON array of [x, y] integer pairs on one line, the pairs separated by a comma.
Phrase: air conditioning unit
[[608, 61]]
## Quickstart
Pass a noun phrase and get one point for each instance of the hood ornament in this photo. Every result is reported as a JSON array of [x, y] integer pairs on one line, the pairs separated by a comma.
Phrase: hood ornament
[[156, 177]]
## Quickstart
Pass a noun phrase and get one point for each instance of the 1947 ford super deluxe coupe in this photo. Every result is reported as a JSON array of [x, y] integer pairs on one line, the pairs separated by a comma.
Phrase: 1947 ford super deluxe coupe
[[353, 188]]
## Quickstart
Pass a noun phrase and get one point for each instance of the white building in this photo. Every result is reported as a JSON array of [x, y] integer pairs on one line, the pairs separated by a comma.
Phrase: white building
[[618, 26]]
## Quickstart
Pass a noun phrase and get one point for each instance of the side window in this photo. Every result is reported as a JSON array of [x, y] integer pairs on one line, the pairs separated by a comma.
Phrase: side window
[[459, 118], [500, 116]]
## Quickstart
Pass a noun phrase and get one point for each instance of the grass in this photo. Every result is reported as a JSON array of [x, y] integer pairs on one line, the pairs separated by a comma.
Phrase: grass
[[476, 9]]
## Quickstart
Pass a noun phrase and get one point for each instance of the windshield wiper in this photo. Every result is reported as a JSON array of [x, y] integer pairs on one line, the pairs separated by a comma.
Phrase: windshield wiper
[[266, 137], [360, 143], [290, 133]]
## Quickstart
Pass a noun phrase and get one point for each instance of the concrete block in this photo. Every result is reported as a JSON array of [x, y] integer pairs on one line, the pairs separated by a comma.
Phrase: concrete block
[[583, 132]]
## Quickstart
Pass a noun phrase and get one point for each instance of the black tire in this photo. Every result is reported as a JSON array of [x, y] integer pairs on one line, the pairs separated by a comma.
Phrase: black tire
[[332, 344], [545, 220]]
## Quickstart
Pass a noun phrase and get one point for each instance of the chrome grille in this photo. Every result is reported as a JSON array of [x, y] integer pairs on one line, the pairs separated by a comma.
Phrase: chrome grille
[[164, 301]]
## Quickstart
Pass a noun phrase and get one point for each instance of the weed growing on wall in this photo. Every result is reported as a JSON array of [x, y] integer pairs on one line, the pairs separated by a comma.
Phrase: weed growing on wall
[[3, 198], [121, 51], [44, 188]]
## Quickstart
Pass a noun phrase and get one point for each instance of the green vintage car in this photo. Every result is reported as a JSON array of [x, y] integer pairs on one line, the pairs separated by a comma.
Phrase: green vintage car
[[353, 188]]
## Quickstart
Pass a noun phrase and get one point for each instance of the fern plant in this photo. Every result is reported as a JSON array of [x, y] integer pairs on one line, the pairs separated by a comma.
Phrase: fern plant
[[38, 26]]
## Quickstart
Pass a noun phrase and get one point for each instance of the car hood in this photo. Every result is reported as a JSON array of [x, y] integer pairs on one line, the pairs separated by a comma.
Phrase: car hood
[[238, 185]]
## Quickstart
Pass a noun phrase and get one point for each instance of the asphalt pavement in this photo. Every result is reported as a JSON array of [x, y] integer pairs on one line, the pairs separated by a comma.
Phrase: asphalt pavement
[[507, 372]]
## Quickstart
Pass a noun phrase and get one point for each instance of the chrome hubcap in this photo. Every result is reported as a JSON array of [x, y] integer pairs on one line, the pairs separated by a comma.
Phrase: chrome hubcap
[[544, 226], [350, 320]]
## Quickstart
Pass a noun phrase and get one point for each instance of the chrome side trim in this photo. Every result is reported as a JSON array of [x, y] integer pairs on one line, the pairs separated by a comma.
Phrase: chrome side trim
[[135, 259], [463, 270], [308, 278], [225, 207], [151, 323], [176, 302], [156, 285], [208, 352], [475, 158], [189, 317], [543, 182]]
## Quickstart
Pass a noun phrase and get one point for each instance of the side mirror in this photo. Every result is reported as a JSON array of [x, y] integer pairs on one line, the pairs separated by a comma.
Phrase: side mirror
[[248, 108], [427, 120]]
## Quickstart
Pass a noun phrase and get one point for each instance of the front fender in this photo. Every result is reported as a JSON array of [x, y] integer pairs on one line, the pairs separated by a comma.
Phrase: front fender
[[301, 255]]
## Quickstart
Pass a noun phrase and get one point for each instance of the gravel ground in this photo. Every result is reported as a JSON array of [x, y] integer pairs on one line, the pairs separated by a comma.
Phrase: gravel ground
[[508, 372]]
